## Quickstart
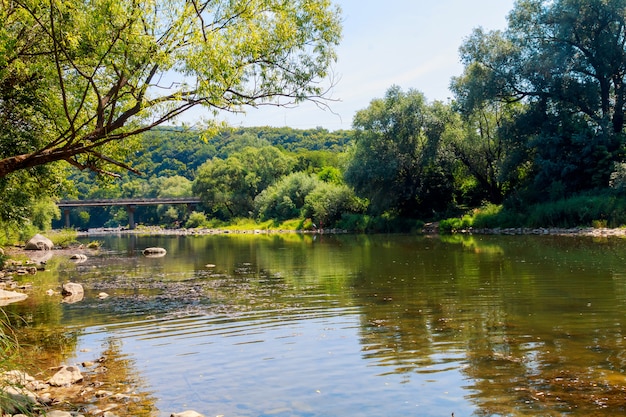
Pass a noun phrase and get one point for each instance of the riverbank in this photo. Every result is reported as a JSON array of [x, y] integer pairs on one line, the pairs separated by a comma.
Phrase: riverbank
[[429, 229], [554, 231], [157, 230]]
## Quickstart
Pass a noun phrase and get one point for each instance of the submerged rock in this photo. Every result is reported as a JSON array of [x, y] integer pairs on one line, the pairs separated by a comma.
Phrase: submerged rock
[[78, 257], [72, 288], [154, 252], [188, 413], [72, 292]]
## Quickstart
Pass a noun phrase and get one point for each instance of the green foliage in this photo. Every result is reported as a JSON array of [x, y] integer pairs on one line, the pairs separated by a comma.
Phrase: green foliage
[[581, 210], [330, 174], [455, 224], [232, 55], [490, 216], [328, 202], [285, 199], [396, 161], [386, 223], [62, 238], [196, 220], [229, 186], [565, 61]]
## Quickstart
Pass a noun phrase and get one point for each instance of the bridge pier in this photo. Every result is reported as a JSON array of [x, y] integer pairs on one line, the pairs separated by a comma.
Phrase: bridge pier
[[130, 209], [66, 213]]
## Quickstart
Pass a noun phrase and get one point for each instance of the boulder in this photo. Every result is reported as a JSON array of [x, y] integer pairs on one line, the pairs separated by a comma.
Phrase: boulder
[[39, 242], [78, 257], [72, 292], [154, 252], [14, 399], [8, 297], [66, 376], [58, 413], [72, 288], [188, 413]]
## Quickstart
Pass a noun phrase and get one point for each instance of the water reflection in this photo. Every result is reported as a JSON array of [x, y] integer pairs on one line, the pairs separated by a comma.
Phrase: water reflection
[[357, 325]]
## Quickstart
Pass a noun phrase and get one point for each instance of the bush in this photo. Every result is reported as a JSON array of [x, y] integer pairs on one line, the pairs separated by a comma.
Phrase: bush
[[284, 199], [328, 201], [196, 219], [455, 224]]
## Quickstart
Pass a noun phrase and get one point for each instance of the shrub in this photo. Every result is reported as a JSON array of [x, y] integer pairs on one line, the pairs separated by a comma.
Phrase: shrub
[[196, 219], [284, 199]]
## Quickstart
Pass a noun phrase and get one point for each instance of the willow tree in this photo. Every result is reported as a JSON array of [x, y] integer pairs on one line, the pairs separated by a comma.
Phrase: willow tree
[[79, 78], [396, 161], [566, 61]]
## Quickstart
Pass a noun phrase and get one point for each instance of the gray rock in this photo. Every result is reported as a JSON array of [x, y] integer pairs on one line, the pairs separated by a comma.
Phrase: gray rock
[[8, 297], [39, 242], [72, 288], [188, 413], [16, 377], [66, 376], [14, 400], [72, 292], [58, 413], [154, 252], [78, 257]]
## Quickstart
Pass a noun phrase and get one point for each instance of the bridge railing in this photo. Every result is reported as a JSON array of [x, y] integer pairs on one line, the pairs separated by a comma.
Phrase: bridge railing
[[130, 204]]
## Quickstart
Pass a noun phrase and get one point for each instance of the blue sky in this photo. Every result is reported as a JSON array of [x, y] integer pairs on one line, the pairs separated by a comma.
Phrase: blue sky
[[410, 43]]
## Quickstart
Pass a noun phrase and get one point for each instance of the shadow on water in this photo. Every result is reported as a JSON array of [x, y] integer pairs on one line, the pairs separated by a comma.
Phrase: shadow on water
[[314, 325]]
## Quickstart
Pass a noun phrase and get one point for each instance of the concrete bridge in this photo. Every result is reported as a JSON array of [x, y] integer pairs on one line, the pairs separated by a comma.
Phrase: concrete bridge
[[130, 204]]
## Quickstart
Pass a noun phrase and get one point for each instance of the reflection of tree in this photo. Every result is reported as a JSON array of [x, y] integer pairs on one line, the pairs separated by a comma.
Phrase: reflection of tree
[[521, 315]]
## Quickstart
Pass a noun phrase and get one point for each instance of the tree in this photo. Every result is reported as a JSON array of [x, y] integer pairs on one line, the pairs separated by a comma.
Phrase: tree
[[230, 185], [396, 161], [566, 59], [79, 79], [284, 199]]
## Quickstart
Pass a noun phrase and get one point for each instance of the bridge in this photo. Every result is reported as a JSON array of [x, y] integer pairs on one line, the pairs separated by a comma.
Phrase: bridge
[[129, 203]]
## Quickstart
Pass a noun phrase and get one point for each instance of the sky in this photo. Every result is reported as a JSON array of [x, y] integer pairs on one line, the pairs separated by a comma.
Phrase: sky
[[410, 43]]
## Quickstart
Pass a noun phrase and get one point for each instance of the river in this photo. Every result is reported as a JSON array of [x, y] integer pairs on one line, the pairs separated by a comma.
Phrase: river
[[348, 325]]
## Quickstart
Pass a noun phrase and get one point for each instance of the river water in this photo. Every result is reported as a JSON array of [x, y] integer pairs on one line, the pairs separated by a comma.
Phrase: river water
[[319, 325]]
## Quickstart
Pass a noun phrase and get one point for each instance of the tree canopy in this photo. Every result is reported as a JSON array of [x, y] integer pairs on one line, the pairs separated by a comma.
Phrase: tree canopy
[[79, 79], [396, 161], [565, 60]]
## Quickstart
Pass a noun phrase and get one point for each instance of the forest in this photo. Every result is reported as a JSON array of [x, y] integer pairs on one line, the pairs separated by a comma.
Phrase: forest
[[533, 137]]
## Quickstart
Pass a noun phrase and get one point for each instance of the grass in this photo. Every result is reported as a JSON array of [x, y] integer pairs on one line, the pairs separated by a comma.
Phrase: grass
[[586, 210]]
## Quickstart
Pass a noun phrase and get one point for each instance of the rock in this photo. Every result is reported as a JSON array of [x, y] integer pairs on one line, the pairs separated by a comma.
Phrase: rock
[[74, 298], [78, 257], [58, 413], [8, 297], [72, 292], [154, 252], [15, 399], [188, 413], [103, 295], [16, 377], [39, 242], [66, 376], [72, 288]]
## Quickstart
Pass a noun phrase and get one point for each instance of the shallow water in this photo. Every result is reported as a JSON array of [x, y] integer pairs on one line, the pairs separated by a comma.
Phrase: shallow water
[[301, 325]]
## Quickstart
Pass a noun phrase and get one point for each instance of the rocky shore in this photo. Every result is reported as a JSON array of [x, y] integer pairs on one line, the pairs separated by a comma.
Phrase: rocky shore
[[554, 231], [69, 390]]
